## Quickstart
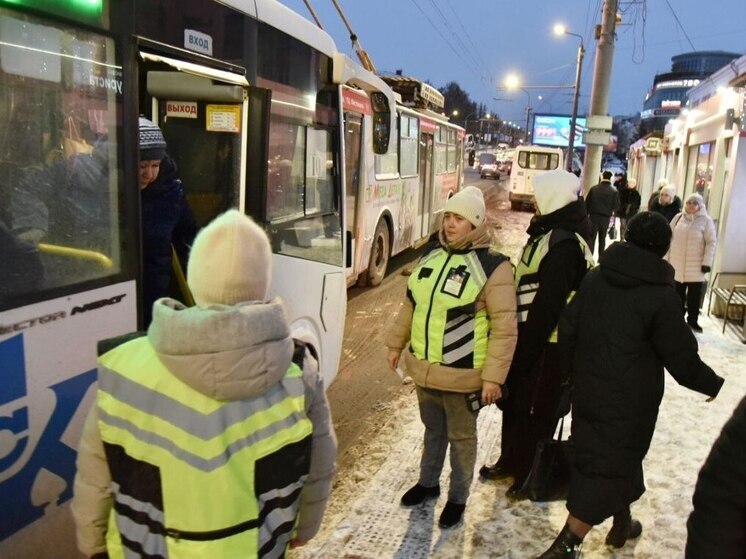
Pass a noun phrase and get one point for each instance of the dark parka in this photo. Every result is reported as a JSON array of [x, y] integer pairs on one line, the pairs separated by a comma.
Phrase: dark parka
[[529, 413], [669, 211], [621, 329], [166, 219], [717, 525]]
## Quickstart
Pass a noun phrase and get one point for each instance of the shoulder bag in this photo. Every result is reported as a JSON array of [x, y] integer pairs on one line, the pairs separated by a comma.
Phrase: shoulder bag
[[549, 478]]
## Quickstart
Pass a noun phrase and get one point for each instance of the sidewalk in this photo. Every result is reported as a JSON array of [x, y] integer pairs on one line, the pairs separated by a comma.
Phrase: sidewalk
[[364, 519]]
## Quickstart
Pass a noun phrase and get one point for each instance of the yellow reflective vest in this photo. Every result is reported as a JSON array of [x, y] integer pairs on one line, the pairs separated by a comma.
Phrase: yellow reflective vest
[[527, 270], [194, 477], [446, 326]]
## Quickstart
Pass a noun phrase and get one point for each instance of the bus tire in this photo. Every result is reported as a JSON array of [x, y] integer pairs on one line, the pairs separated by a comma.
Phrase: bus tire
[[380, 251]]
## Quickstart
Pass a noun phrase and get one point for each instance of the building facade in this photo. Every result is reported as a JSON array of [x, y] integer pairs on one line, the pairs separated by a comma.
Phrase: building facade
[[668, 95]]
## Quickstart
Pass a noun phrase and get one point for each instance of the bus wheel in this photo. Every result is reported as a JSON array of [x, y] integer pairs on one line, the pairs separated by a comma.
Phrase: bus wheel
[[379, 255]]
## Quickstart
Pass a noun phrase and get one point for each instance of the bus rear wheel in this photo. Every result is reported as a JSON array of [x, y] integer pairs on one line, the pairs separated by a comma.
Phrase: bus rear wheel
[[380, 252]]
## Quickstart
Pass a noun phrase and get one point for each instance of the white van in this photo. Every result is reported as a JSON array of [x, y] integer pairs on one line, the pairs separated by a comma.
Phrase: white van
[[529, 161]]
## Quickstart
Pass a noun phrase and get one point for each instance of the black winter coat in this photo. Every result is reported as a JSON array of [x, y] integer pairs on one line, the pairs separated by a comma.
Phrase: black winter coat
[[668, 211], [629, 203], [621, 329], [602, 199], [717, 525], [166, 219]]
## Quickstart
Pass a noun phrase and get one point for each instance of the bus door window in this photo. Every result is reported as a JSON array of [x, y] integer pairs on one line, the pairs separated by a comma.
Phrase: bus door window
[[353, 135], [60, 197], [202, 120]]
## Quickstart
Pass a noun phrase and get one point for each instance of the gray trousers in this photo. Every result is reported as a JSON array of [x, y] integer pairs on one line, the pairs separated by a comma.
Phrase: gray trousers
[[448, 420]]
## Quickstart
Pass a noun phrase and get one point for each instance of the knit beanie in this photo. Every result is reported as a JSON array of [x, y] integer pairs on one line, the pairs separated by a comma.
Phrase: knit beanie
[[152, 142], [554, 190], [469, 204], [649, 230], [230, 261], [696, 197]]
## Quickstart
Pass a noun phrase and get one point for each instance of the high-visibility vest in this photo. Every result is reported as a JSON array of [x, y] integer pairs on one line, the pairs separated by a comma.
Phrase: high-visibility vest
[[527, 270], [194, 477], [446, 327]]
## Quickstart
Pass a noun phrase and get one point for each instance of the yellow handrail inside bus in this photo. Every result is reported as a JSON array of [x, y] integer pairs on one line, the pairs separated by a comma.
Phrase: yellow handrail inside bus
[[79, 253], [186, 293]]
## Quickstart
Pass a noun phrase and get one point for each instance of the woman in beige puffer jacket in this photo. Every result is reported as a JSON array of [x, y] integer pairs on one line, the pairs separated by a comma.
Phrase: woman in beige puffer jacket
[[691, 254]]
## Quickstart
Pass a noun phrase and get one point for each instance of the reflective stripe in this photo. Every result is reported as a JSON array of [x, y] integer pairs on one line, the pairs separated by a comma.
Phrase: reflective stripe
[[152, 544], [476, 270], [460, 352], [147, 509], [451, 324], [457, 334], [189, 420], [190, 458]]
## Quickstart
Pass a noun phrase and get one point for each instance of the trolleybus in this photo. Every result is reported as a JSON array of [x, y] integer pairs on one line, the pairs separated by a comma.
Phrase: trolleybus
[[394, 200], [249, 97]]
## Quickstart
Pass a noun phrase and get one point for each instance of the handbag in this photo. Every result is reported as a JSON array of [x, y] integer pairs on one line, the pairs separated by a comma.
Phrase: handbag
[[73, 143], [612, 229], [549, 478]]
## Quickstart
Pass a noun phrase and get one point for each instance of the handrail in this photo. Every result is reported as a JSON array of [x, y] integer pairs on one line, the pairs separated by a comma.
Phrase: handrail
[[79, 253]]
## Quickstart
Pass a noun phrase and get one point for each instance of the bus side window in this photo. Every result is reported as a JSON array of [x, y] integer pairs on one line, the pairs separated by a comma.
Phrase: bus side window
[[381, 130]]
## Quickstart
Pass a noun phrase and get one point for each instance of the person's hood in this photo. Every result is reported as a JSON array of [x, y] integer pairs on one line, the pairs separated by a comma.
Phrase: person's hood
[[572, 217], [168, 178], [479, 237], [224, 352], [626, 265], [701, 212]]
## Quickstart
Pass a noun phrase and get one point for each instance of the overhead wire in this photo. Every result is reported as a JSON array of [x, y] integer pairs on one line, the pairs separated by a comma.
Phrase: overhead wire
[[678, 22], [468, 37]]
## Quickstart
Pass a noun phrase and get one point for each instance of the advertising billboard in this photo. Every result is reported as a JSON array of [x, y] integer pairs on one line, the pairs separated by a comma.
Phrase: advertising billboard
[[554, 130]]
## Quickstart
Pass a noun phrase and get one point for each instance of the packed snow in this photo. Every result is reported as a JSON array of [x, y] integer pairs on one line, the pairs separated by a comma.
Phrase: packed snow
[[365, 520]]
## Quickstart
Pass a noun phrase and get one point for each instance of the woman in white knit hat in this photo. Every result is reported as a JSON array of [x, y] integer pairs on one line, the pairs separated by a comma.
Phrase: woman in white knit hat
[[691, 254], [459, 319], [668, 204], [181, 453]]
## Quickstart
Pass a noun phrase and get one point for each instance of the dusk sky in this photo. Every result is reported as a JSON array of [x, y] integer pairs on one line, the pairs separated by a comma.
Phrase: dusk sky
[[488, 39]]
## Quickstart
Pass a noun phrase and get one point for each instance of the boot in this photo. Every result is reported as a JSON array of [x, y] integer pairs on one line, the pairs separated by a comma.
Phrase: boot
[[496, 471], [451, 515], [623, 529], [418, 494], [566, 546]]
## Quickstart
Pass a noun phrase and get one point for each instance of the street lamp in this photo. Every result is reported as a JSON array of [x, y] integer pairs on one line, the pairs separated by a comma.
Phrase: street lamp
[[513, 82], [547, 102], [560, 29]]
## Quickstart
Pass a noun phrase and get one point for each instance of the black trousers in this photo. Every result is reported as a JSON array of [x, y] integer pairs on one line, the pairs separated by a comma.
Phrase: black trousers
[[600, 226], [691, 295]]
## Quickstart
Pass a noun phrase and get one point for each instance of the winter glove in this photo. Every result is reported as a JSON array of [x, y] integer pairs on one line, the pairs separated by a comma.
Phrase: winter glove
[[705, 269]]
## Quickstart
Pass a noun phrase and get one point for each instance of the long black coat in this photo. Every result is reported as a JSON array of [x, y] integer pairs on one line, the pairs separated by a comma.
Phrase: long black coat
[[621, 329], [716, 525]]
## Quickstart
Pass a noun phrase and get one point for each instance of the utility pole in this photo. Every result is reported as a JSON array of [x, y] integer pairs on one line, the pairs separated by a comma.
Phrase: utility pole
[[600, 90]]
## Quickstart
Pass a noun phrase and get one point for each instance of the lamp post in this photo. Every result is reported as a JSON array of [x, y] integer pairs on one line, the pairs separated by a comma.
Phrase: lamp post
[[560, 29], [513, 82], [466, 122]]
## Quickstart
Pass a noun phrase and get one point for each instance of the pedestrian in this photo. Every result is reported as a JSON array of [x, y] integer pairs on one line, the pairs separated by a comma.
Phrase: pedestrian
[[654, 196], [459, 318], [629, 204], [691, 255], [668, 204], [167, 219], [616, 336], [716, 525], [210, 436], [552, 264], [602, 203]]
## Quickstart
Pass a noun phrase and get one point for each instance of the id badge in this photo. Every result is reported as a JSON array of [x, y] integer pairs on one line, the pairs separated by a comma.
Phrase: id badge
[[455, 281]]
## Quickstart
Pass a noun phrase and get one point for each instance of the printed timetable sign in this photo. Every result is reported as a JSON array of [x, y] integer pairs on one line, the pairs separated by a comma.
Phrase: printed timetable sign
[[223, 118]]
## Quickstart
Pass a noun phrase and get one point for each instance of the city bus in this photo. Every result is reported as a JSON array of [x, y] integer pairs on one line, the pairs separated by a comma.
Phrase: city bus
[[394, 200], [249, 97]]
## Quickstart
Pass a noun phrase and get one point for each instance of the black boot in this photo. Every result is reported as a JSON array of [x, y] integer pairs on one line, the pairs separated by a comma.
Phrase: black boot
[[496, 471], [418, 494], [623, 529], [566, 546]]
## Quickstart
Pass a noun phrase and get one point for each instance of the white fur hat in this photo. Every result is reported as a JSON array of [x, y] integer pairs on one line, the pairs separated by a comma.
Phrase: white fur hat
[[469, 204], [554, 190], [230, 261]]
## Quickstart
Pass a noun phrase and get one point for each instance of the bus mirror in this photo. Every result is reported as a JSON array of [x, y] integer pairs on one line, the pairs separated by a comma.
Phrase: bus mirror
[[381, 132]]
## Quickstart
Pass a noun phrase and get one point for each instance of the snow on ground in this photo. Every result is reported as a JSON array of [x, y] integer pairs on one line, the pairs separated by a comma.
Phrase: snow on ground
[[365, 521]]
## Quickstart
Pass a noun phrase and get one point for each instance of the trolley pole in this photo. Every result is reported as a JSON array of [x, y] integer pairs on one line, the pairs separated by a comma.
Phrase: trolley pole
[[600, 89]]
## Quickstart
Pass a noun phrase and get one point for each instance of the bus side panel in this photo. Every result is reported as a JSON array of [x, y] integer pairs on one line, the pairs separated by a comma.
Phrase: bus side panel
[[48, 351]]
